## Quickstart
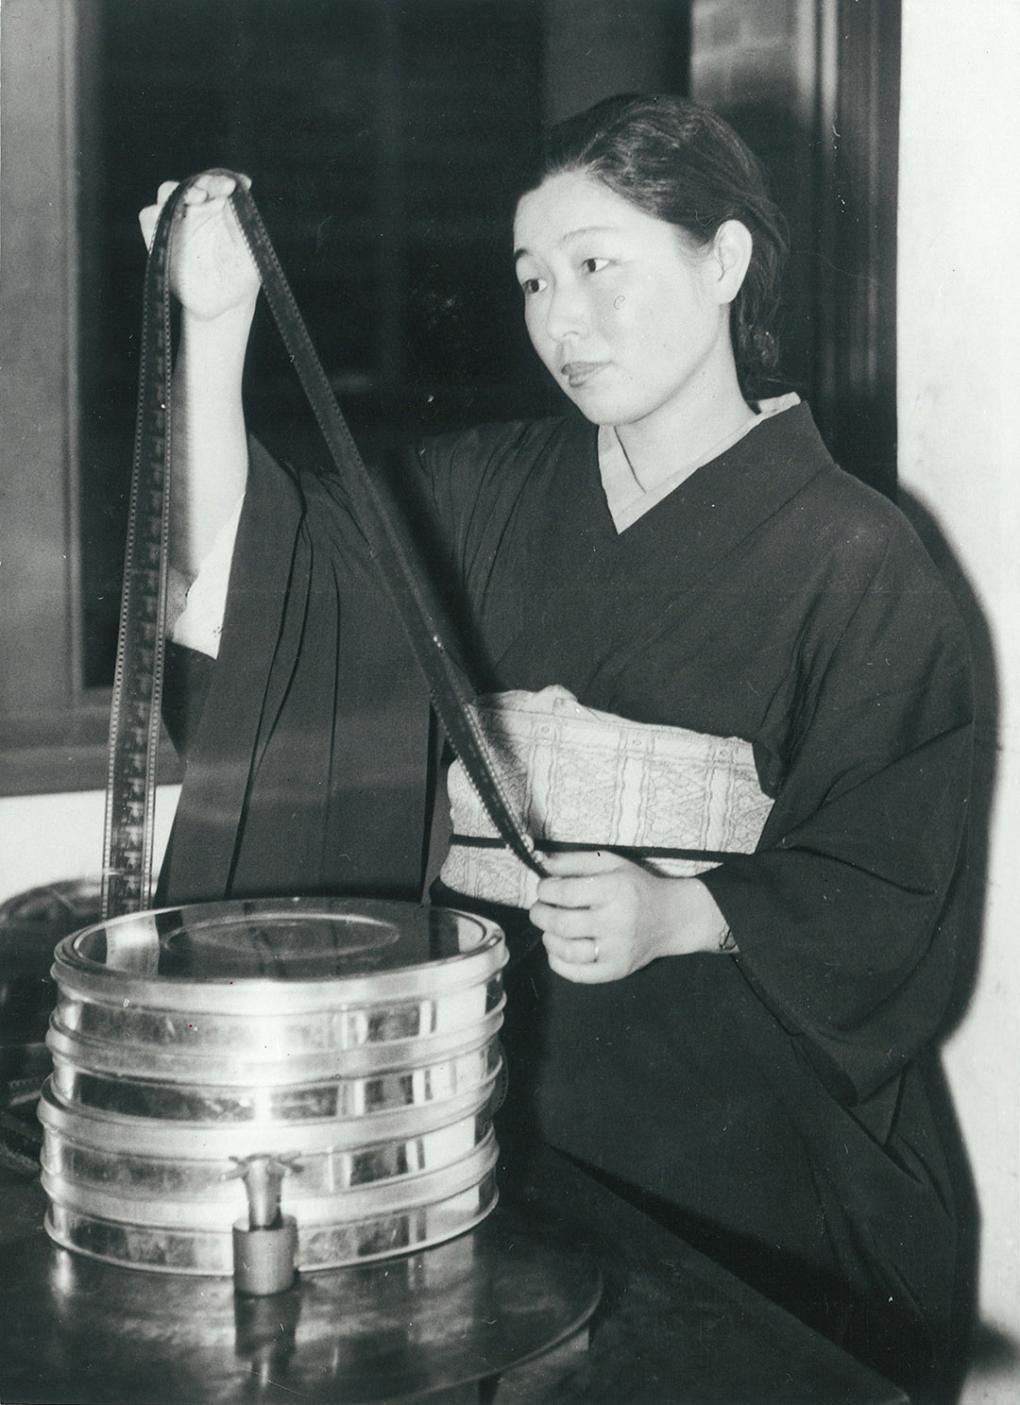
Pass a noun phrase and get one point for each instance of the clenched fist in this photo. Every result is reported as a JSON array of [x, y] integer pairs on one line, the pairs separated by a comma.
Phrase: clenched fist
[[212, 271]]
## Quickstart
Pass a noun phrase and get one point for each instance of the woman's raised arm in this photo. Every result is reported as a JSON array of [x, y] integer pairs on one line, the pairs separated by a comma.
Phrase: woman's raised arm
[[216, 282]]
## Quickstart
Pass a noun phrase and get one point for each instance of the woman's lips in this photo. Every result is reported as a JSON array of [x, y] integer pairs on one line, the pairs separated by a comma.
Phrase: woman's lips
[[578, 373]]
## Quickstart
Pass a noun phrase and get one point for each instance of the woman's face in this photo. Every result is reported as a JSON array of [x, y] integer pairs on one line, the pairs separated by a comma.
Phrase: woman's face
[[627, 321]]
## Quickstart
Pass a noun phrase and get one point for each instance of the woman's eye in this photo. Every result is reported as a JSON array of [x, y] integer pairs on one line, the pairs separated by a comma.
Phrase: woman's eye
[[531, 286], [594, 265]]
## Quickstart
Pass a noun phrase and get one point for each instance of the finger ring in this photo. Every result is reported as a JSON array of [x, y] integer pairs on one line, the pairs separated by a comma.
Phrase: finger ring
[[594, 950]]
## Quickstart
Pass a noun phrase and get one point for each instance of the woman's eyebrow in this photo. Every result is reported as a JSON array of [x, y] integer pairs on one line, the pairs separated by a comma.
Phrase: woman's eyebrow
[[572, 234]]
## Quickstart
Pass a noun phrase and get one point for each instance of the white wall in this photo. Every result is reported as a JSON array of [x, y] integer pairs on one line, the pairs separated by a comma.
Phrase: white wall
[[46, 838], [959, 456]]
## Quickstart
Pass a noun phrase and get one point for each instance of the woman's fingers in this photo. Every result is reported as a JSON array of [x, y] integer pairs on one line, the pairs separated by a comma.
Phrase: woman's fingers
[[214, 185], [205, 189], [148, 217], [584, 972], [588, 910], [569, 922], [579, 878], [579, 951], [588, 891], [577, 905], [147, 220]]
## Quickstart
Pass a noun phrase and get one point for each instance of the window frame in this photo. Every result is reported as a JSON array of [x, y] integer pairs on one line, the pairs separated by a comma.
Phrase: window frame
[[52, 729]]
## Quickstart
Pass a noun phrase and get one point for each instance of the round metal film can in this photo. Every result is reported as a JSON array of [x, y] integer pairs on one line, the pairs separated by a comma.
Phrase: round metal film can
[[355, 1040]]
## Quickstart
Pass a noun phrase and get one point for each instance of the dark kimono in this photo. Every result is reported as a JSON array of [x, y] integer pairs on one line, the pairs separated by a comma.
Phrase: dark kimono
[[769, 1106]]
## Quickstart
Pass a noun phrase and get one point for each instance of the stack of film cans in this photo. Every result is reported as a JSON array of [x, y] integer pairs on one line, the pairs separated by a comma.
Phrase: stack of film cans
[[355, 1041]]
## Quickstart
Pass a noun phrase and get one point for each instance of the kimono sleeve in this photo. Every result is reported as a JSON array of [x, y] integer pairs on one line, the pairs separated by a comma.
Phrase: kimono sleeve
[[307, 761], [847, 916]]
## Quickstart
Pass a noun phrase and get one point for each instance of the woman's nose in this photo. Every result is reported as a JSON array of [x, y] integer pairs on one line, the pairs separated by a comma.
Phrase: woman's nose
[[566, 312]]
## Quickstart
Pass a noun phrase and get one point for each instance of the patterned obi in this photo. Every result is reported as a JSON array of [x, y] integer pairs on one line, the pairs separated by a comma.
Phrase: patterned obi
[[674, 800]]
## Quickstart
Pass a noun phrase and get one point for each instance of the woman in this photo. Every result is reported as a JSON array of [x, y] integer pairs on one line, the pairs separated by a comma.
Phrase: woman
[[737, 1049]]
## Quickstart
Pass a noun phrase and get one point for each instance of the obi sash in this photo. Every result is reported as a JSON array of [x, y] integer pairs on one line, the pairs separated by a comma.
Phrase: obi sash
[[674, 800]]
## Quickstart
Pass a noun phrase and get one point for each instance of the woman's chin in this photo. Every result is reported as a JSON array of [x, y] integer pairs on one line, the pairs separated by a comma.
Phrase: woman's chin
[[600, 407]]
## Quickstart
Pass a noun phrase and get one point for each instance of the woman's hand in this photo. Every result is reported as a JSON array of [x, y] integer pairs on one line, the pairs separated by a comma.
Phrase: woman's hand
[[215, 279], [603, 917], [212, 271]]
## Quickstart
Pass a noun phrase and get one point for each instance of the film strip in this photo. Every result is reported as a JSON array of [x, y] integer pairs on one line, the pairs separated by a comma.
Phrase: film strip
[[138, 676], [138, 679]]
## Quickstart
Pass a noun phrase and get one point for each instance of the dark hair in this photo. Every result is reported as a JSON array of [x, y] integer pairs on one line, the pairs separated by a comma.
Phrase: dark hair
[[680, 162]]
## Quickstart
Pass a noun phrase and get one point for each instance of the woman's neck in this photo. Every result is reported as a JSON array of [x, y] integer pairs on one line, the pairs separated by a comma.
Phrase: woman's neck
[[684, 436]]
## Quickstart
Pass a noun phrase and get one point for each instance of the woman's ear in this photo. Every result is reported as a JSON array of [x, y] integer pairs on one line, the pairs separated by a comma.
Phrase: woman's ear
[[730, 256]]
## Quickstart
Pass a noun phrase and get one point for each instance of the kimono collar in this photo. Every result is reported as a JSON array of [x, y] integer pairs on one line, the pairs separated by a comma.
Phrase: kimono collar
[[625, 497]]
